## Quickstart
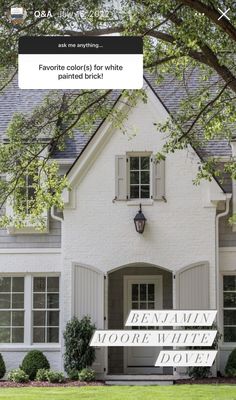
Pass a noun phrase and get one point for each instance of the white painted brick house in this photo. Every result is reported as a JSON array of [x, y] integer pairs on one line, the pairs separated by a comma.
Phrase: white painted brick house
[[94, 262]]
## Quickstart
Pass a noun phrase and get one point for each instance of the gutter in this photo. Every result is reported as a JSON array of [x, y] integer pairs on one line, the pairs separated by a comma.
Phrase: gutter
[[217, 268], [54, 216]]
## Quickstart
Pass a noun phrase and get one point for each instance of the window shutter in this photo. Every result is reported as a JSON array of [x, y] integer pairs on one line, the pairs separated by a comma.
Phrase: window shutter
[[158, 179], [89, 300], [192, 287], [121, 177]]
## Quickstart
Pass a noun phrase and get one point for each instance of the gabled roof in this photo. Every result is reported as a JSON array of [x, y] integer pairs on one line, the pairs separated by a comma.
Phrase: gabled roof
[[170, 92], [13, 99]]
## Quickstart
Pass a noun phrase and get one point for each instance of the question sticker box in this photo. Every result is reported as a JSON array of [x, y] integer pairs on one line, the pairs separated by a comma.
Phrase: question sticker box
[[63, 62]]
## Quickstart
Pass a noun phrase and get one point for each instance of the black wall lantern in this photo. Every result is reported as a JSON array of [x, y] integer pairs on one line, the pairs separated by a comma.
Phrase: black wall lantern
[[139, 221]]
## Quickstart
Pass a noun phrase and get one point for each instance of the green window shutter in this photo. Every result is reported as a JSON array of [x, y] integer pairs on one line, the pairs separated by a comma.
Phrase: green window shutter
[[158, 179], [121, 178]]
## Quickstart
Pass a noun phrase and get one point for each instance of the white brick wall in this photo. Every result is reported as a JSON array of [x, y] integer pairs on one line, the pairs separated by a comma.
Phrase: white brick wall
[[13, 358], [100, 233], [30, 264]]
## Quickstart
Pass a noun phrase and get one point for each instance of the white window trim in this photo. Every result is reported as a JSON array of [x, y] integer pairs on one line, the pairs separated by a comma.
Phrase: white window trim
[[44, 309], [136, 202], [234, 202], [14, 309], [29, 228], [28, 308], [144, 201], [225, 345]]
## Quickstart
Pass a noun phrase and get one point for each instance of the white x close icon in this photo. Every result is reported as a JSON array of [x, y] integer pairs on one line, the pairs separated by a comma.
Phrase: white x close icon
[[224, 14]]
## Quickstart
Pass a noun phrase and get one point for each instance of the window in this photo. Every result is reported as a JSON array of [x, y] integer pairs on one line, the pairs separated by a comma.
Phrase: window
[[28, 194], [11, 309], [25, 203], [139, 177], [229, 308], [46, 309], [143, 296]]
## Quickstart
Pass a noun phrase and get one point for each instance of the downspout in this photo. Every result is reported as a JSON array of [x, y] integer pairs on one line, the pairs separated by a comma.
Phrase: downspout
[[217, 269], [57, 218], [54, 216]]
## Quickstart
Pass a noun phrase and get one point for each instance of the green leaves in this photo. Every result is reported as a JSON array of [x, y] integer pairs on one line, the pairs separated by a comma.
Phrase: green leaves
[[77, 335], [179, 41]]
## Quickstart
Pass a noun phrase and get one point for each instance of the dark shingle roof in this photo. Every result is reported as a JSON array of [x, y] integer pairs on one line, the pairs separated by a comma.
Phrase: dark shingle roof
[[13, 99], [170, 92]]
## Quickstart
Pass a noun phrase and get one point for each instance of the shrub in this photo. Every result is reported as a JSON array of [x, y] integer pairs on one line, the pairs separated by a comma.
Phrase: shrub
[[87, 375], [18, 376], [2, 367], [55, 377], [33, 361], [199, 372], [42, 375], [73, 374], [78, 353], [203, 372], [230, 368], [231, 372]]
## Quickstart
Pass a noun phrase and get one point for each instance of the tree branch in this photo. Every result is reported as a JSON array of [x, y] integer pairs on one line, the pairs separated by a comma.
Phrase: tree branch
[[95, 32], [210, 103], [168, 17], [161, 61], [222, 70], [213, 15], [23, 170], [206, 56], [8, 81]]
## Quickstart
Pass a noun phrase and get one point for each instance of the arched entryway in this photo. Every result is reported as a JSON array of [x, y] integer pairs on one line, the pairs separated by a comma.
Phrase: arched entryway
[[107, 297], [136, 286]]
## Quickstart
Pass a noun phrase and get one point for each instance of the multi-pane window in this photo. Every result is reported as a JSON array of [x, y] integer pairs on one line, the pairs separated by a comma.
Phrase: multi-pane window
[[46, 309], [229, 308], [143, 298], [11, 309], [139, 177], [27, 194]]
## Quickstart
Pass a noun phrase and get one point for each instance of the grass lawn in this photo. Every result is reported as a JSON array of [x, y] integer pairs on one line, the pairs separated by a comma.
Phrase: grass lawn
[[175, 392]]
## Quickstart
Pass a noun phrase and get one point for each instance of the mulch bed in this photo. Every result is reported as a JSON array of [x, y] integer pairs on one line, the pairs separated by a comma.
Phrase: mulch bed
[[67, 383], [206, 381]]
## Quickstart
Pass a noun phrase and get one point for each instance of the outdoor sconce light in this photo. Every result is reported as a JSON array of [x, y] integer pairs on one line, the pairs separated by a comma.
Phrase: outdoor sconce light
[[139, 221]]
